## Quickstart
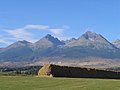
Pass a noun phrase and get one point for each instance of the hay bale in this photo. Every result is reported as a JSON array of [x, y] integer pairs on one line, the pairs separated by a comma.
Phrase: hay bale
[[45, 70], [50, 70]]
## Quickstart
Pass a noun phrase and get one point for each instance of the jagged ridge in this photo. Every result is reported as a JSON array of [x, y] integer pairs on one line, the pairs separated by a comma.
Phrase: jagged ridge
[[88, 45]]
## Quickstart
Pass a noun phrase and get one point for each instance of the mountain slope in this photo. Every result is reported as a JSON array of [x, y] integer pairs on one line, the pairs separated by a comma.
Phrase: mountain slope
[[117, 43], [17, 51], [47, 42], [92, 40], [20, 44], [88, 45]]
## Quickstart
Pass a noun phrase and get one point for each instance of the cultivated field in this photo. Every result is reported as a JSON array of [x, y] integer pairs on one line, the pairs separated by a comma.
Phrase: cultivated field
[[37, 83]]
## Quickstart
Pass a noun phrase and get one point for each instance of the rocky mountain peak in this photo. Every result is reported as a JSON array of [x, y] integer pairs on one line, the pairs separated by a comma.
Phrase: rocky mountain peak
[[48, 41], [70, 40], [24, 42], [49, 36], [20, 44], [91, 39], [89, 44], [116, 43], [91, 36]]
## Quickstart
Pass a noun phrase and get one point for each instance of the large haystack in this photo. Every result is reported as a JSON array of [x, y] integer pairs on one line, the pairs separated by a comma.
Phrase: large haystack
[[45, 70], [50, 70]]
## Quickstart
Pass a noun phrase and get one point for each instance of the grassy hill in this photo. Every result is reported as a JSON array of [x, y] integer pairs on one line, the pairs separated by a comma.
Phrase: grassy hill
[[37, 83]]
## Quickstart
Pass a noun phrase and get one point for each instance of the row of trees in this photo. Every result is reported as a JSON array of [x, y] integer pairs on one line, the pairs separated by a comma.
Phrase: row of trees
[[28, 70]]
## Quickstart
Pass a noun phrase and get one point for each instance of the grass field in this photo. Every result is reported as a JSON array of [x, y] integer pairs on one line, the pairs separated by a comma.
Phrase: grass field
[[37, 83]]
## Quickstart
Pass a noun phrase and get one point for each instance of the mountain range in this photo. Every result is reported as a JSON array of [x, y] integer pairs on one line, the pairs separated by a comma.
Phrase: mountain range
[[87, 45]]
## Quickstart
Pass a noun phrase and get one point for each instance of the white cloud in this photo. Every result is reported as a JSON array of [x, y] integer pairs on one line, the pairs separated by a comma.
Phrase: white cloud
[[64, 38], [38, 27], [24, 33], [3, 40], [21, 34], [57, 31], [6, 42]]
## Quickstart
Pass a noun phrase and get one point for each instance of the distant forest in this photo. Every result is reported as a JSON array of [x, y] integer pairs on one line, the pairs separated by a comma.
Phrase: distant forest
[[23, 71]]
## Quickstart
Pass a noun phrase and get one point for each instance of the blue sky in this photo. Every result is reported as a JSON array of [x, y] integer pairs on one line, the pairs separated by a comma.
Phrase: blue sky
[[33, 19]]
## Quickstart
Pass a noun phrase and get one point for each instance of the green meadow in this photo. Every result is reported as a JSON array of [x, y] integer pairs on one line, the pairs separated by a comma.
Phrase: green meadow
[[37, 83]]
